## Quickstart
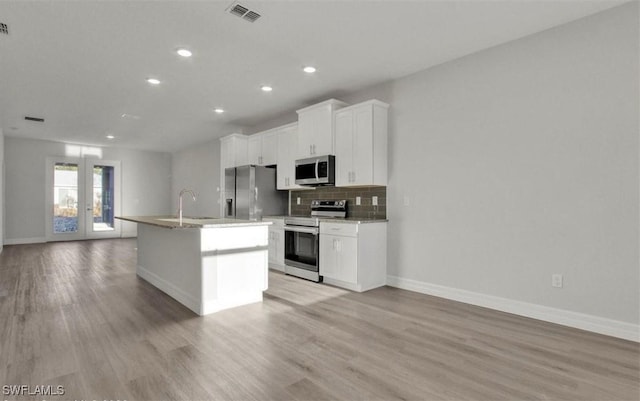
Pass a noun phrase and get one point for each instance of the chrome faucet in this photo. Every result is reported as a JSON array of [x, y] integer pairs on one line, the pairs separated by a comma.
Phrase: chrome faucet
[[184, 191]]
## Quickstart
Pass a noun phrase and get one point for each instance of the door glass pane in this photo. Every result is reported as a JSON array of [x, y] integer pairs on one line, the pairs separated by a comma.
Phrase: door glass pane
[[103, 195], [65, 198]]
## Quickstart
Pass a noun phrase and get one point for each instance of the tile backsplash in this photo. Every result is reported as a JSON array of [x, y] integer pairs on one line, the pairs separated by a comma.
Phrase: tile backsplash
[[364, 210]]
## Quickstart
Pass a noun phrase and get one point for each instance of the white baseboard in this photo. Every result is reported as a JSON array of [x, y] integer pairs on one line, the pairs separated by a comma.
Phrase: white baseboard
[[342, 284], [581, 321], [276, 267], [21, 241], [170, 289]]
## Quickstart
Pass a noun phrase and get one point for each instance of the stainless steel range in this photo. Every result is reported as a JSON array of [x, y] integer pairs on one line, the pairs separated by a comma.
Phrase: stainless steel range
[[302, 238]]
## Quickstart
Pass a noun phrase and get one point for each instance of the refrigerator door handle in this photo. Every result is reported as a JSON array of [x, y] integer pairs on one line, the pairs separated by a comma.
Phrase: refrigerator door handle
[[229, 208]]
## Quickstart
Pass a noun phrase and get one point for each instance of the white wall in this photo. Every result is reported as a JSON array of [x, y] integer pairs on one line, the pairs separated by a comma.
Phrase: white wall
[[1, 190], [197, 168], [519, 162], [146, 183]]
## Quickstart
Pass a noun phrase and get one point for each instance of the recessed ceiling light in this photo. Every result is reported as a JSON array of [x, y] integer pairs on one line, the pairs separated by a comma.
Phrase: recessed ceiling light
[[266, 88], [309, 69], [184, 52], [219, 110], [153, 81], [110, 137]]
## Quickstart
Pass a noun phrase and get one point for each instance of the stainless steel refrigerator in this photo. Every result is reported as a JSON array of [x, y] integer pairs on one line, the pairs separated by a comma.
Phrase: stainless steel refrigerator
[[250, 193]]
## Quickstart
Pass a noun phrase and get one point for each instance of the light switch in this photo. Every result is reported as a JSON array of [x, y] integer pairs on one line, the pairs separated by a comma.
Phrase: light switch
[[358, 201], [298, 200], [374, 200]]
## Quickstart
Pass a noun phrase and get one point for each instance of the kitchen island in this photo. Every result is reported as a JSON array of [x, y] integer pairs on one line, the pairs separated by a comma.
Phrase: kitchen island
[[206, 264]]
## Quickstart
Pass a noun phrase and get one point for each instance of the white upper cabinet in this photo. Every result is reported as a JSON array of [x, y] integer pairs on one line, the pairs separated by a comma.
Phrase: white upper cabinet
[[361, 144], [263, 148], [315, 129], [270, 148], [287, 152], [233, 151], [254, 149]]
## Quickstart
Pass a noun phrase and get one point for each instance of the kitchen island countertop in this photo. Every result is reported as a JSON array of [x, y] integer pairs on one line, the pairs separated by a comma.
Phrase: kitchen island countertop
[[346, 220], [192, 222]]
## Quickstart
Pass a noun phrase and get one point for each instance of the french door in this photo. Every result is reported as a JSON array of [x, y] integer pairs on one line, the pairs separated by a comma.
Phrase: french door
[[83, 198]]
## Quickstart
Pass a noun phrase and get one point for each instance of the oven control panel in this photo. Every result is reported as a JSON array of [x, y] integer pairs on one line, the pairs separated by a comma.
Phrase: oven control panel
[[329, 208]]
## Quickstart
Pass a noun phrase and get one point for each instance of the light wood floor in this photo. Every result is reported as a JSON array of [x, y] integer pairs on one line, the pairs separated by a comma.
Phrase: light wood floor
[[75, 314]]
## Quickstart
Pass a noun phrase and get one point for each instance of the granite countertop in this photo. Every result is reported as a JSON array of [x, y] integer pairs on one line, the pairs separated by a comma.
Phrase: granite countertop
[[346, 220], [353, 220], [192, 222]]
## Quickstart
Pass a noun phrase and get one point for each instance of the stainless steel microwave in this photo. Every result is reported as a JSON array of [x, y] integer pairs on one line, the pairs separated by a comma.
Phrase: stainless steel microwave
[[316, 171]]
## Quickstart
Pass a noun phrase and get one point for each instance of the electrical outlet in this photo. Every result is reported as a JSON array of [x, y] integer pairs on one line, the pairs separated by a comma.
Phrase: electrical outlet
[[374, 200], [358, 201], [556, 280], [298, 200]]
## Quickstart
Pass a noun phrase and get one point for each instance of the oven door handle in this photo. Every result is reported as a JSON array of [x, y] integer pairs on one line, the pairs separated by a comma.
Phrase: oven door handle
[[297, 229]]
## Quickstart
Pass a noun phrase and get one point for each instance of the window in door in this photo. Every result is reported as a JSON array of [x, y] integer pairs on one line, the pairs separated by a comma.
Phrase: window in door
[[65, 198], [103, 198], [83, 198]]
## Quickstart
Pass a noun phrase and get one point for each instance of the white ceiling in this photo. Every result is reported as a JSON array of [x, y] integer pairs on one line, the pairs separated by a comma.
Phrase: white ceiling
[[82, 65]]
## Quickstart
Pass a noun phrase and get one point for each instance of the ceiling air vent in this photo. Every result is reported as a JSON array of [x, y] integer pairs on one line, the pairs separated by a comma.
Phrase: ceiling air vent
[[4, 28], [243, 12], [40, 120]]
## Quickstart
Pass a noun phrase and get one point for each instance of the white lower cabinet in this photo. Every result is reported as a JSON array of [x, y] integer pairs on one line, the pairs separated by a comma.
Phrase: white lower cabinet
[[276, 244], [354, 256]]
